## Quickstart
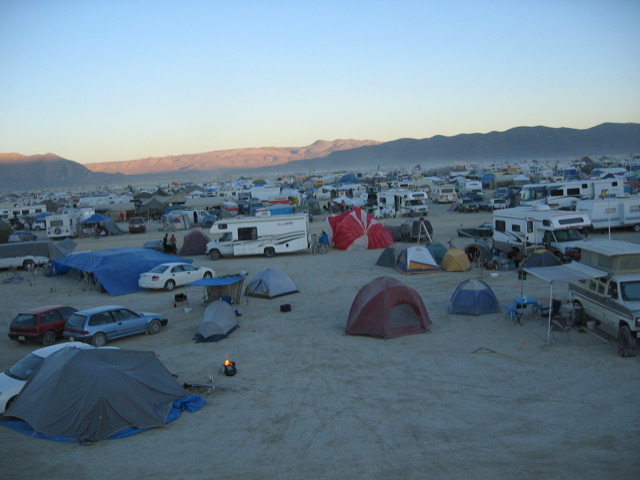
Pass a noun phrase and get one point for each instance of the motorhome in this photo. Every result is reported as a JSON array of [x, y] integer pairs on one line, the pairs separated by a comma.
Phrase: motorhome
[[613, 300], [268, 236], [404, 202], [443, 193], [529, 228], [470, 187], [617, 212], [564, 195]]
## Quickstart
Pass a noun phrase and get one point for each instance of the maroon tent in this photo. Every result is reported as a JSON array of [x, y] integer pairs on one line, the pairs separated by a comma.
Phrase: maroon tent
[[386, 308], [356, 229]]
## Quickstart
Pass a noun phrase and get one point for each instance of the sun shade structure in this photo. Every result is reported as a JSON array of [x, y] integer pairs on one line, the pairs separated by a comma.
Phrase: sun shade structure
[[416, 260], [568, 272], [218, 321], [229, 288], [473, 297], [356, 229], [386, 308], [270, 283], [87, 395]]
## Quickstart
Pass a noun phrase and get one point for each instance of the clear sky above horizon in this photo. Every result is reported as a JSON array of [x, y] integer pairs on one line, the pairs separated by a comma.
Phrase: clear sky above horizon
[[114, 80]]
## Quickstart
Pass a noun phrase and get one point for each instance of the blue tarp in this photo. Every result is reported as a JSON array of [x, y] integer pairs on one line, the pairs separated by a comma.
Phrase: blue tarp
[[117, 269], [96, 218], [192, 403]]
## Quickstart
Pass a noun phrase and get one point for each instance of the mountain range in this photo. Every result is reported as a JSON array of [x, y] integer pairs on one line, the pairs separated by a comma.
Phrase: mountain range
[[36, 172]]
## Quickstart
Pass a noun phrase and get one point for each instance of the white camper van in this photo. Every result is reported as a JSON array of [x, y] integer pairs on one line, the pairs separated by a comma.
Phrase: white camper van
[[539, 226], [62, 225], [617, 212], [259, 236], [613, 300]]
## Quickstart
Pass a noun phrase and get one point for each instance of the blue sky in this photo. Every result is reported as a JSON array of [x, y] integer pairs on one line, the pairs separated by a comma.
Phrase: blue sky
[[115, 80]]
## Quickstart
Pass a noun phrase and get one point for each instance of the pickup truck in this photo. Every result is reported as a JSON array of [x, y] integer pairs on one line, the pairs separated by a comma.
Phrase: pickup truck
[[472, 204], [498, 203]]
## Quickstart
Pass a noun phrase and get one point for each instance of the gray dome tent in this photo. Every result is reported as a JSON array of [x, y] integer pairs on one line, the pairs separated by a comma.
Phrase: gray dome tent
[[218, 321], [270, 283]]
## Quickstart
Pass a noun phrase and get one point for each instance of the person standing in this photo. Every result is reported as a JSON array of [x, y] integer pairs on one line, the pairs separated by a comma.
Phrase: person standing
[[165, 243], [174, 246]]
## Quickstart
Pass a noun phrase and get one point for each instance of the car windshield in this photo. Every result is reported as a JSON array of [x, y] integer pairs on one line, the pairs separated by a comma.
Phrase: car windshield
[[630, 291], [24, 320], [76, 321], [25, 367], [159, 269]]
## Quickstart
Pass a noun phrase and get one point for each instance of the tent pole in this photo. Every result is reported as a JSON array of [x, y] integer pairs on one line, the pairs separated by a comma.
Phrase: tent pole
[[550, 308]]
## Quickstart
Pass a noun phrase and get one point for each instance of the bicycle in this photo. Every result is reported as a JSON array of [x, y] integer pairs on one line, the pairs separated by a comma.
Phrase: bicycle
[[203, 388]]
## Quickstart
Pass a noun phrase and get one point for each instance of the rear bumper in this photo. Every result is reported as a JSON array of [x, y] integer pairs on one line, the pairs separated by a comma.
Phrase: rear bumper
[[25, 337]]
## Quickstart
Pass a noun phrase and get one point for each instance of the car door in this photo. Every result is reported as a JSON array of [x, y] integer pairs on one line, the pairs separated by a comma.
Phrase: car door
[[128, 322], [103, 322], [178, 274], [190, 274]]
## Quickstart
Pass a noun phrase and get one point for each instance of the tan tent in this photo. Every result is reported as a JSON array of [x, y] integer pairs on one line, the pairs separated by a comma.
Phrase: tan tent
[[455, 260]]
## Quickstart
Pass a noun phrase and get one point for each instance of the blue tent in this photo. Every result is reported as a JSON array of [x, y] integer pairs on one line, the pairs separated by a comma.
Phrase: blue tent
[[473, 297], [117, 269], [96, 218]]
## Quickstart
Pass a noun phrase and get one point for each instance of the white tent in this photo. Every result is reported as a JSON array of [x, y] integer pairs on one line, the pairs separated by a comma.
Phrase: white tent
[[563, 273]]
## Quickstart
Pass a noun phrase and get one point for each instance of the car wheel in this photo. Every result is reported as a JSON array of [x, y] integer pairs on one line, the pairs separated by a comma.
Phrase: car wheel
[[99, 340], [29, 265], [269, 252], [49, 338], [625, 337], [170, 285], [154, 326], [636, 227], [214, 255], [207, 275]]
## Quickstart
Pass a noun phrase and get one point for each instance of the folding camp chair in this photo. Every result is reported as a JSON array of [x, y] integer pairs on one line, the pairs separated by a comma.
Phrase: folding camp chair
[[515, 313], [561, 325]]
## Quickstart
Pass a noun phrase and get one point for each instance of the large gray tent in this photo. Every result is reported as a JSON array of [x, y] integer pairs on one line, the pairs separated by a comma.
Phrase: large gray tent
[[270, 283], [88, 395], [218, 321]]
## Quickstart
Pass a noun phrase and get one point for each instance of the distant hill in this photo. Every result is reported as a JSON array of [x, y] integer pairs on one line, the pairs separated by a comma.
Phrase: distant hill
[[37, 172], [18, 172], [514, 145], [228, 159]]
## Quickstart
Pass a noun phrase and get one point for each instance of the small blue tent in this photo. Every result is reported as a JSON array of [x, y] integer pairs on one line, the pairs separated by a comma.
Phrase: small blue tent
[[473, 297], [117, 269]]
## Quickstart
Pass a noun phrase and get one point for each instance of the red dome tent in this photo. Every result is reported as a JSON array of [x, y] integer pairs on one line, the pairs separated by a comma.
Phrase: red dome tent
[[356, 229], [386, 308]]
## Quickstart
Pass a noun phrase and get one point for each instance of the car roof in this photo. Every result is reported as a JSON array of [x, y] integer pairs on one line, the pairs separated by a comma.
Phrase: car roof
[[46, 351], [45, 308], [102, 308], [172, 264]]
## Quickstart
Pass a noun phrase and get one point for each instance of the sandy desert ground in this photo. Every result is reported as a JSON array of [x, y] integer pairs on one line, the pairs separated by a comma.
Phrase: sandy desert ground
[[476, 397]]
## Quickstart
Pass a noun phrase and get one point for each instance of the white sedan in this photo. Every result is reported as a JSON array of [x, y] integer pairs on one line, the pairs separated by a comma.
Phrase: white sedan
[[13, 379], [168, 276]]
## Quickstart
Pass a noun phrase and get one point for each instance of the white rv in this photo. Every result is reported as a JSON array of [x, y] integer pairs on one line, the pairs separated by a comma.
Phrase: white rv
[[404, 202], [617, 212], [259, 236], [564, 195], [62, 225], [529, 228], [443, 193], [612, 300]]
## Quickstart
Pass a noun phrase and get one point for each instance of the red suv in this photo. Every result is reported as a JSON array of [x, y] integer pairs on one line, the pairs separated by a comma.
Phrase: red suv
[[41, 324]]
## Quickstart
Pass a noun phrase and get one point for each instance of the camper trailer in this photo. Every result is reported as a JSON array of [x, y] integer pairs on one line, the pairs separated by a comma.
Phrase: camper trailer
[[443, 193], [266, 236], [404, 202], [529, 228], [564, 195], [63, 225], [613, 300], [617, 212]]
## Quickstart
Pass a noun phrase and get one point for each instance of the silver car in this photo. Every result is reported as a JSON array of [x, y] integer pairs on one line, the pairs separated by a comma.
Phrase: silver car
[[101, 324]]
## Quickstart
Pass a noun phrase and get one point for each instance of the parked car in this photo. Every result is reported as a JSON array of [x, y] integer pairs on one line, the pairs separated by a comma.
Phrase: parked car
[[22, 236], [39, 224], [154, 245], [41, 324], [99, 325], [137, 225], [167, 276], [13, 378], [498, 203]]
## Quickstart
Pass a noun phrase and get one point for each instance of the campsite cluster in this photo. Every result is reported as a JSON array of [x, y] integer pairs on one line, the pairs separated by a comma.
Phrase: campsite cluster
[[283, 320]]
